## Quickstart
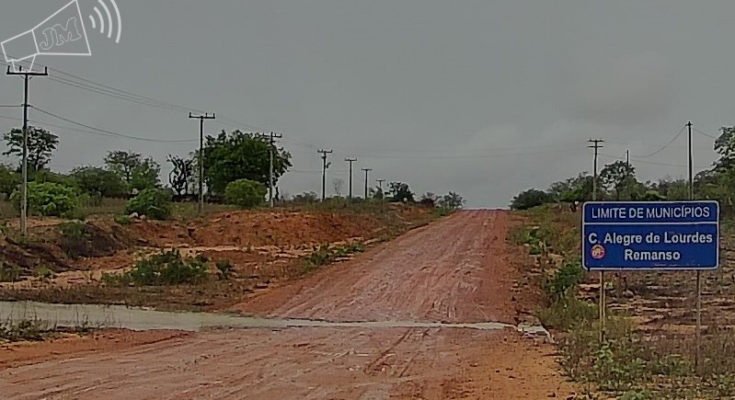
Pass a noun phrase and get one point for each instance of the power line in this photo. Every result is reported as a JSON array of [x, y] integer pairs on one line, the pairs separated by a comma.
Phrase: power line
[[662, 148], [705, 134], [108, 132]]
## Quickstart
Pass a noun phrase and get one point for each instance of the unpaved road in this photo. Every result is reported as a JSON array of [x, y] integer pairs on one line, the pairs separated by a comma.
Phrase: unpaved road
[[453, 271]]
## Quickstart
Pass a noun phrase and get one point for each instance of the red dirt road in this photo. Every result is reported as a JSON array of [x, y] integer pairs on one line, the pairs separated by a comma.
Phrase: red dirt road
[[454, 270]]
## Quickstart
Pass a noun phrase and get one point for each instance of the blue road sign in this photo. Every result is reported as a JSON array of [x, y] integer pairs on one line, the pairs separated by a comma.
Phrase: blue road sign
[[650, 235]]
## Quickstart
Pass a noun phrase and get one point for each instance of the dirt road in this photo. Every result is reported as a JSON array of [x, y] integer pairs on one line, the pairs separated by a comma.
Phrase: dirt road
[[454, 270]]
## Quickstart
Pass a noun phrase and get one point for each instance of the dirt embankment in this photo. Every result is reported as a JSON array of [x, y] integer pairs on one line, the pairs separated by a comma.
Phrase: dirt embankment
[[264, 247]]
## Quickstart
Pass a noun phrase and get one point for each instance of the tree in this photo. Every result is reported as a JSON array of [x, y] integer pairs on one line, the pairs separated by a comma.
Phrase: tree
[[239, 155], [123, 163], [9, 180], [41, 144], [451, 201], [99, 182], [145, 175], [180, 176], [617, 177], [725, 147], [428, 199], [529, 199], [153, 203], [401, 193]]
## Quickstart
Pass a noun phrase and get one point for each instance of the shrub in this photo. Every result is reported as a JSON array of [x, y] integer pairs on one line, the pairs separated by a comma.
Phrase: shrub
[[9, 273], [49, 199], [9, 180], [245, 193], [166, 268], [564, 280], [530, 198], [153, 203], [224, 269]]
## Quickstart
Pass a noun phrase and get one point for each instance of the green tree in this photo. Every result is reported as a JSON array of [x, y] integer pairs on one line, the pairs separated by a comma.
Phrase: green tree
[[576, 189], [145, 175], [529, 199], [245, 193], [239, 155], [9, 180], [153, 203], [401, 193], [725, 147], [123, 163], [41, 144], [618, 177], [99, 182], [452, 201]]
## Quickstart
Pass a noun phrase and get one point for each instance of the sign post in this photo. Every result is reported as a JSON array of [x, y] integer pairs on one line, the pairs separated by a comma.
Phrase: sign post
[[651, 236]]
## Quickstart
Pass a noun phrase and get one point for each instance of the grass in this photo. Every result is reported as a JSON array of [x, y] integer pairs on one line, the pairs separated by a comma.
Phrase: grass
[[35, 330], [325, 255]]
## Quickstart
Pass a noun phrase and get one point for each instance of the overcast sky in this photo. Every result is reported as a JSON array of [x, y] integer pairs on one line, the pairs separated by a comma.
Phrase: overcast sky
[[485, 98]]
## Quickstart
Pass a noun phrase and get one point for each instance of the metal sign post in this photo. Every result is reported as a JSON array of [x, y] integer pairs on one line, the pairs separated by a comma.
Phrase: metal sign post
[[646, 236]]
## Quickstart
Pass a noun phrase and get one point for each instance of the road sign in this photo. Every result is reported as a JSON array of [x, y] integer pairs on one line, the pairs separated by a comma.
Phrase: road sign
[[650, 235]]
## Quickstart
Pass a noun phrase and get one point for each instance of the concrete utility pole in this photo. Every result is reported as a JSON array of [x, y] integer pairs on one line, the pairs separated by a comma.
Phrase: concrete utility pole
[[367, 174], [325, 165], [201, 119], [271, 149], [24, 164], [350, 160]]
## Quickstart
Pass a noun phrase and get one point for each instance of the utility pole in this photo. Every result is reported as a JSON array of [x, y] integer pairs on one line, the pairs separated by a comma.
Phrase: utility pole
[[367, 174], [627, 158], [350, 160], [597, 145], [24, 165], [325, 165], [698, 335], [201, 119], [691, 177], [271, 149], [380, 184]]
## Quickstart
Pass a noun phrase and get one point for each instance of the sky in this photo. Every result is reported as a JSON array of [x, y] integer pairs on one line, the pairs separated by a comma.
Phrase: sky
[[484, 98]]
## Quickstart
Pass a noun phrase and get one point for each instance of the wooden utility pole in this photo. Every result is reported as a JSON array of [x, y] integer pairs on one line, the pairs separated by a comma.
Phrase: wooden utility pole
[[201, 119], [325, 165], [698, 335], [271, 150], [380, 184], [24, 164], [596, 144], [350, 160], [367, 179]]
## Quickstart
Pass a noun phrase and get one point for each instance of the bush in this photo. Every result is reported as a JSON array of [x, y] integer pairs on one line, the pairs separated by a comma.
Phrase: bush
[[245, 193], [153, 203], [530, 198], [49, 199], [9, 180], [565, 280], [166, 268]]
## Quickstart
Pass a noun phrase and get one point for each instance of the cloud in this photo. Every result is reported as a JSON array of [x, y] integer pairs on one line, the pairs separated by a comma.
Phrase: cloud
[[632, 90]]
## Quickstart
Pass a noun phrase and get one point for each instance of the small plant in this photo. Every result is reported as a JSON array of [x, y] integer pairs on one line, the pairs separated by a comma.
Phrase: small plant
[[245, 193], [565, 280], [224, 270], [636, 394], [9, 273], [27, 329], [153, 203], [44, 274], [163, 269], [123, 220], [74, 238]]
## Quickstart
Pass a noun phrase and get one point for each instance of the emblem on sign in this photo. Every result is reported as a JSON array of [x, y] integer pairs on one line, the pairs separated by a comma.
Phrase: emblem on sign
[[598, 252]]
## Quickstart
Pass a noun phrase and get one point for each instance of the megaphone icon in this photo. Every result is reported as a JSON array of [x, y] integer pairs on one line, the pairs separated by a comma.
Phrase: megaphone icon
[[61, 34]]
